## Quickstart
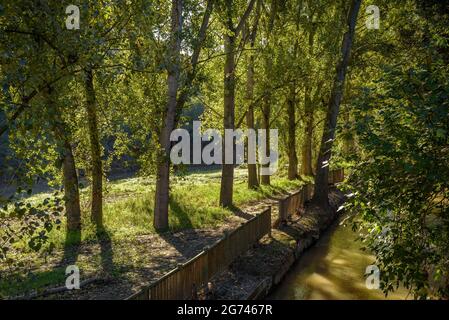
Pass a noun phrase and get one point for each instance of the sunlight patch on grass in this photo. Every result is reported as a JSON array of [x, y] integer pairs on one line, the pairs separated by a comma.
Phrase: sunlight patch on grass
[[128, 207]]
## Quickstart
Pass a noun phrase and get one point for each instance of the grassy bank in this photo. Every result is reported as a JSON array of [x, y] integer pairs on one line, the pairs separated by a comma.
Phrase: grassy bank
[[128, 208], [128, 214]]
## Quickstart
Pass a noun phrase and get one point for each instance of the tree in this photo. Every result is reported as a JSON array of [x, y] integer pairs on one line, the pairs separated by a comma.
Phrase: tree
[[399, 173], [95, 149], [69, 174], [292, 156], [321, 180], [231, 35], [400, 179], [306, 165], [253, 181], [173, 66], [175, 104], [28, 82]]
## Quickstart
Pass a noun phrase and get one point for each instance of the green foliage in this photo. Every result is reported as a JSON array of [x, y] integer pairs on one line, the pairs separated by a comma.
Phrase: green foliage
[[401, 177], [27, 222], [399, 174]]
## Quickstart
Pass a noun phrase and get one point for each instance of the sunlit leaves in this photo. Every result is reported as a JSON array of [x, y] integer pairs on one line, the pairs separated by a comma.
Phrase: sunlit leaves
[[31, 222]]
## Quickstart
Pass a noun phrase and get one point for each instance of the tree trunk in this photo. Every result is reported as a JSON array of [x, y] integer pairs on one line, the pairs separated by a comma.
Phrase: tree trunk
[[70, 176], [95, 150], [163, 169], [292, 157], [321, 181], [71, 191], [227, 172], [306, 166], [265, 179], [252, 167], [348, 141], [309, 113]]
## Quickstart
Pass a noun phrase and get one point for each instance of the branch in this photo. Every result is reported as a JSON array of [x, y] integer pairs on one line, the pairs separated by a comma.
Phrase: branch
[[24, 105], [277, 115], [239, 123], [184, 94], [202, 34], [244, 17], [16, 114], [39, 35], [209, 107]]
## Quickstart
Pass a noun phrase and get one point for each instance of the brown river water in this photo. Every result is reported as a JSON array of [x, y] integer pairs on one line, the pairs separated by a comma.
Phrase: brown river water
[[333, 269]]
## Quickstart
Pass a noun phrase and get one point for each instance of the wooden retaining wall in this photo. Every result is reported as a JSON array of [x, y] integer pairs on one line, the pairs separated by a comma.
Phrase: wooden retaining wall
[[293, 203], [182, 282]]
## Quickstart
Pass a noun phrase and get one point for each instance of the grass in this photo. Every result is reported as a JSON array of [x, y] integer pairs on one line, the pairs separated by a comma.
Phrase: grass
[[128, 208], [128, 213]]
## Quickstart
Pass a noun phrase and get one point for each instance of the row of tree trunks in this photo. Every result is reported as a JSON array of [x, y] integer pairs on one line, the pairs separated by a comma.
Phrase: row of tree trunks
[[161, 202], [321, 190]]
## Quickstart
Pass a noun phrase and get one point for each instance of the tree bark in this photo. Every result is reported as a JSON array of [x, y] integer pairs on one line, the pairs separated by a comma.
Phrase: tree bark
[[292, 156], [71, 191], [309, 113], [253, 182], [265, 179], [252, 167], [227, 172], [95, 151], [69, 174], [161, 202], [321, 190], [306, 154]]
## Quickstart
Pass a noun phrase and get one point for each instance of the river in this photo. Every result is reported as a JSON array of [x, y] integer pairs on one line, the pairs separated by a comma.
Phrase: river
[[333, 269]]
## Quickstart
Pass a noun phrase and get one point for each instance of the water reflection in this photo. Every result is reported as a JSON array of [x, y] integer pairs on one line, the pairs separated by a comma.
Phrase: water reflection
[[333, 269]]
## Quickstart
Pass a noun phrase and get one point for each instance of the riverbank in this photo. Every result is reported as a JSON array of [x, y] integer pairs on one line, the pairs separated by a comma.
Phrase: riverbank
[[254, 274], [129, 254]]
